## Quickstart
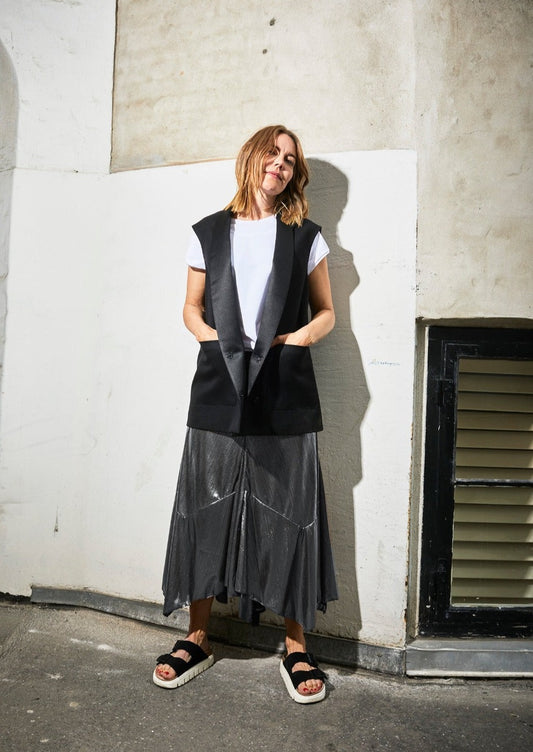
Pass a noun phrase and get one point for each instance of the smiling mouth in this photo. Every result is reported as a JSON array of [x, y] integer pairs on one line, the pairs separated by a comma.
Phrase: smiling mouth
[[274, 175]]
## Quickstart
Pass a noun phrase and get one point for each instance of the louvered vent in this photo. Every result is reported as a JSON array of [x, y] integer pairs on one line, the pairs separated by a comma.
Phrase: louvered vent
[[492, 560]]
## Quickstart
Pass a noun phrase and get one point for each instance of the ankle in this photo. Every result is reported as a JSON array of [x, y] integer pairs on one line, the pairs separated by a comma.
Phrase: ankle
[[294, 646], [198, 636]]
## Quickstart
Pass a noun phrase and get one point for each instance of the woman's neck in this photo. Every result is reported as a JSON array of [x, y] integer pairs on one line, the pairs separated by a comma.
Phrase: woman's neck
[[263, 207]]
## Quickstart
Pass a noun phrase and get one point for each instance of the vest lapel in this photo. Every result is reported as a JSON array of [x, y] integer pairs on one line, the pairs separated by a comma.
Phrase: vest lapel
[[225, 301], [275, 299]]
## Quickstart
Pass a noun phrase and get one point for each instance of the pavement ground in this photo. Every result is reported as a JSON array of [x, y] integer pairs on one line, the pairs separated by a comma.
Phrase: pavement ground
[[77, 680]]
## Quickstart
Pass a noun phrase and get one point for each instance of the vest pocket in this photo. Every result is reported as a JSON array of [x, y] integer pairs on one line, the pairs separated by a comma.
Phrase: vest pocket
[[296, 379], [212, 384]]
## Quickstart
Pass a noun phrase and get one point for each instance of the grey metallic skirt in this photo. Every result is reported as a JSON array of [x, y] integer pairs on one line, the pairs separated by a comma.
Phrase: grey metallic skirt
[[250, 520]]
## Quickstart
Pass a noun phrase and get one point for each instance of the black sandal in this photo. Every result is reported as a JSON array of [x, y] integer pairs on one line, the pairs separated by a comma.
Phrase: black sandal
[[293, 679], [185, 670]]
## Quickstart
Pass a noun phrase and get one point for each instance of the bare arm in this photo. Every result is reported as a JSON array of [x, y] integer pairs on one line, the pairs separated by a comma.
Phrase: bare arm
[[193, 310], [321, 303]]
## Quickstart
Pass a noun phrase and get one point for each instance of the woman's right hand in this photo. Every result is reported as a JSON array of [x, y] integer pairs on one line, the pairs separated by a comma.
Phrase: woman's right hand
[[207, 335], [193, 310]]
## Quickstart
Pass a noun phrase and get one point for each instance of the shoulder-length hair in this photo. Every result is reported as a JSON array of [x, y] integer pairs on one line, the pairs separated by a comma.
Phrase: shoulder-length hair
[[291, 204]]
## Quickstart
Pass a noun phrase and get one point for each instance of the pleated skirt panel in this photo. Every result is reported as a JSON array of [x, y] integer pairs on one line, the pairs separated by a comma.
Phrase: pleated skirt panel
[[250, 520]]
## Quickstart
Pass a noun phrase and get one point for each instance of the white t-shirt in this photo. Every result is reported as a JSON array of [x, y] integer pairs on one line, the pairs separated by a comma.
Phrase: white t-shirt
[[252, 253]]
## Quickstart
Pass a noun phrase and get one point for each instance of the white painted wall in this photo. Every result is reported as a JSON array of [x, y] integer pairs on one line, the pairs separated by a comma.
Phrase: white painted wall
[[98, 364], [365, 372], [62, 52], [8, 146], [61, 56], [98, 368]]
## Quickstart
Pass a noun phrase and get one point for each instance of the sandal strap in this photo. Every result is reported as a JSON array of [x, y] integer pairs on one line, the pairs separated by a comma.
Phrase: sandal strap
[[297, 677], [290, 660], [194, 650], [178, 664]]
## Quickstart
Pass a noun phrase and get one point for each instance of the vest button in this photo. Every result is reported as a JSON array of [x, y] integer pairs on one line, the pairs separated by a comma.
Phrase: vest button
[[230, 354], [259, 358]]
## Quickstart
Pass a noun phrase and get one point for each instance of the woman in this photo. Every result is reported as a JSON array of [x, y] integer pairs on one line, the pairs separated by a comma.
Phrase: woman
[[249, 518]]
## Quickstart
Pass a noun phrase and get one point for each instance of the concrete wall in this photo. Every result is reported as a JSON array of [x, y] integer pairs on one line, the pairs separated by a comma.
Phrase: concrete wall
[[474, 128], [451, 79], [97, 362], [194, 79]]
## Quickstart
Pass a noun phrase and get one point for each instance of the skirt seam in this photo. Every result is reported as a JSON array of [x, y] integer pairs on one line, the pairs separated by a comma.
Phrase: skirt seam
[[283, 516], [185, 515]]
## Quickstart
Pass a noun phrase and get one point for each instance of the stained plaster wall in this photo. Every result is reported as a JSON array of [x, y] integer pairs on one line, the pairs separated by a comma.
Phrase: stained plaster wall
[[474, 137], [450, 79], [194, 79]]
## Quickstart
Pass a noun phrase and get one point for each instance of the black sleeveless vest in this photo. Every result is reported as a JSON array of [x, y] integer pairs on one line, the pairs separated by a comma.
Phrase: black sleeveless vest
[[271, 390]]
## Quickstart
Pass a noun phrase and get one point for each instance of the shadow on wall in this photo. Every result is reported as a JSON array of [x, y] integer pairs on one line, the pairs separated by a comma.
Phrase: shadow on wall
[[344, 396], [8, 148], [8, 111]]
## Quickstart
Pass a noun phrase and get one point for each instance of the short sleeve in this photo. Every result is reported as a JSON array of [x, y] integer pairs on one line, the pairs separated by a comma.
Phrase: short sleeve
[[319, 251], [194, 255]]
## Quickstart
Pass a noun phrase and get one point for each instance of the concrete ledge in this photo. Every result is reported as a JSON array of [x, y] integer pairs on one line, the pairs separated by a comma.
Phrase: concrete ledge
[[431, 657], [332, 650], [501, 657]]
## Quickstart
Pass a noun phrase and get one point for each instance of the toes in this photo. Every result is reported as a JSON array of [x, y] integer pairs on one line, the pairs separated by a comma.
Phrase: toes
[[309, 688], [165, 672]]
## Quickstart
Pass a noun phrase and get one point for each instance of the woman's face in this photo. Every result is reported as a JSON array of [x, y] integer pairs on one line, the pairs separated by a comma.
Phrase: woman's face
[[278, 166]]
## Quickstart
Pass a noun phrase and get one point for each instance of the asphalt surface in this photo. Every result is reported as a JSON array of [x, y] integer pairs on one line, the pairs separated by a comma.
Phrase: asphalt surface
[[78, 680]]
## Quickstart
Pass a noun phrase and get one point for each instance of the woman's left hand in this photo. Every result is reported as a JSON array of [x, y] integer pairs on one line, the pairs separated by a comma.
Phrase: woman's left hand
[[300, 338], [322, 308]]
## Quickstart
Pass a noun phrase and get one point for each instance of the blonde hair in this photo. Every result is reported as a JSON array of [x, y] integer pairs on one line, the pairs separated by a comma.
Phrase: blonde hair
[[291, 204]]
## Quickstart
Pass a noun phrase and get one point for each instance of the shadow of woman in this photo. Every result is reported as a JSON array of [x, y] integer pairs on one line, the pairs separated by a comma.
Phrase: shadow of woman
[[344, 397]]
